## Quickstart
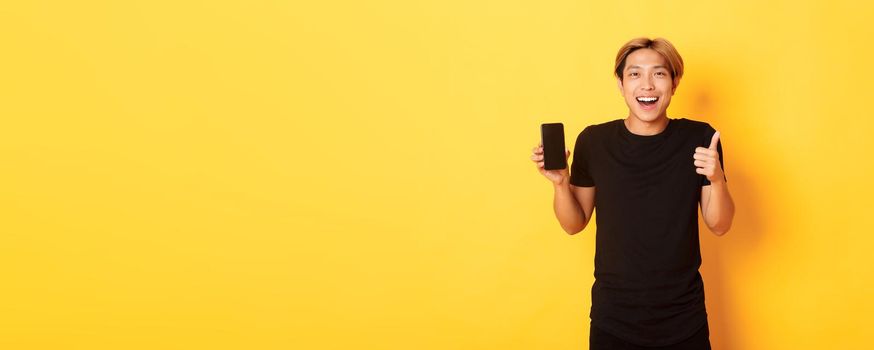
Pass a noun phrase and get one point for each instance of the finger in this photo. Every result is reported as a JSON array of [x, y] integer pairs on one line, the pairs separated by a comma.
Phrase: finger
[[714, 141], [539, 164], [702, 156], [536, 158], [701, 163], [706, 151]]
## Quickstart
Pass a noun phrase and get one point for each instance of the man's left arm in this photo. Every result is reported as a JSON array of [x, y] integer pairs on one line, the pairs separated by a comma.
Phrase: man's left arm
[[717, 207]]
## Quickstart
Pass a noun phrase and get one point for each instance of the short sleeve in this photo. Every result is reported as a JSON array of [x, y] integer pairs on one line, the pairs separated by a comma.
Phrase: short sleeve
[[580, 175], [709, 136]]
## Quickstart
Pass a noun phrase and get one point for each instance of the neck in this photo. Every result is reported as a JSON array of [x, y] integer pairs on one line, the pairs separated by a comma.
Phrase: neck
[[646, 128]]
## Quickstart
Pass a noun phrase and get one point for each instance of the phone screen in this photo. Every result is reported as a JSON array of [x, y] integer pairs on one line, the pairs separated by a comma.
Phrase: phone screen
[[552, 137]]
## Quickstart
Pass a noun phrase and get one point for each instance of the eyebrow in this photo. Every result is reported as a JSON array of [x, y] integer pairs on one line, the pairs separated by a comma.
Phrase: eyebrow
[[636, 66]]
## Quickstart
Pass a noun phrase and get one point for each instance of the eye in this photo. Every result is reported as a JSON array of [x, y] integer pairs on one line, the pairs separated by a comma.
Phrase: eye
[[633, 74], [660, 73]]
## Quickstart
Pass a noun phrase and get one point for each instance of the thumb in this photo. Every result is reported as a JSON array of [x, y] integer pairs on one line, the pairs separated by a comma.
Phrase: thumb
[[714, 141]]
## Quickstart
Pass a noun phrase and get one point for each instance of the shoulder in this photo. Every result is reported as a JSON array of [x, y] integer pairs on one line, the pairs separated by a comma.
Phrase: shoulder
[[696, 131], [694, 125], [601, 128], [596, 133]]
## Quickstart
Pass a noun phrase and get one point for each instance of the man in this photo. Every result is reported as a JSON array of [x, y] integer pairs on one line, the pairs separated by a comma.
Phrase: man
[[651, 173]]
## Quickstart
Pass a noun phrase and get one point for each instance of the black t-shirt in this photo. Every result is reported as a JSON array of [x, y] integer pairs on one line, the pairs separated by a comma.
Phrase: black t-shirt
[[647, 287]]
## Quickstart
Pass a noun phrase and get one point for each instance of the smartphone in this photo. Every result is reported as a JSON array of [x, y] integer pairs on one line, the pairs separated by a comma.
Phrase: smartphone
[[552, 138]]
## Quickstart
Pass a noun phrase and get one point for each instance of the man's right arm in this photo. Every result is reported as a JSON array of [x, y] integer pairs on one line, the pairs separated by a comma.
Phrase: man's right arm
[[573, 206]]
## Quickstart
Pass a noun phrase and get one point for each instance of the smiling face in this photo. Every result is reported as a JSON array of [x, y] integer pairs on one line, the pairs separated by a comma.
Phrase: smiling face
[[647, 85]]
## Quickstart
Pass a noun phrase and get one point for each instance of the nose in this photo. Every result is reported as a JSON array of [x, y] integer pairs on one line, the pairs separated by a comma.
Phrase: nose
[[646, 84]]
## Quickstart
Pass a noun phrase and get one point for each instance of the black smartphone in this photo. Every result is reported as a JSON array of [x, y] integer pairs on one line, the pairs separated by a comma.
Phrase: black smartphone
[[552, 138]]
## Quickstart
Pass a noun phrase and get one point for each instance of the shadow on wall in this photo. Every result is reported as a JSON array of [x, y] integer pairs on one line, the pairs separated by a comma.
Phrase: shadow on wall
[[718, 253]]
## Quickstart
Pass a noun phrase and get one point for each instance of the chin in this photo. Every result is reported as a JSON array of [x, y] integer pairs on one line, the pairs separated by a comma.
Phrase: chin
[[647, 117]]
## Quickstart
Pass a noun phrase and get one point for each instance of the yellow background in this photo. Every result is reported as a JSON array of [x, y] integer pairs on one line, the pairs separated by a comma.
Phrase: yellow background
[[356, 175]]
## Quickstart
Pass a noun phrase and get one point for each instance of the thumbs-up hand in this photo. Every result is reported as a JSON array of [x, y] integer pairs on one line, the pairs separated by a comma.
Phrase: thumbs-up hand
[[707, 161]]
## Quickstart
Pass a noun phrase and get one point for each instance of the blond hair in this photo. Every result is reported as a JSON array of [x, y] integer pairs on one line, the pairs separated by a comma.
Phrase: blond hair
[[660, 45]]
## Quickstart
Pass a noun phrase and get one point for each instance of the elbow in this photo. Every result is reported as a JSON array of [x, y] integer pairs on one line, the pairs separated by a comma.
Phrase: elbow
[[720, 230], [721, 225], [575, 229]]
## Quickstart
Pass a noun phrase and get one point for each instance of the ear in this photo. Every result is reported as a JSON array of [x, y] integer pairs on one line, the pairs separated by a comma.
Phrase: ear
[[619, 85], [676, 84]]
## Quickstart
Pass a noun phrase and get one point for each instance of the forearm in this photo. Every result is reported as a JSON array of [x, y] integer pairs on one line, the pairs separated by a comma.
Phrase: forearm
[[719, 212], [568, 210]]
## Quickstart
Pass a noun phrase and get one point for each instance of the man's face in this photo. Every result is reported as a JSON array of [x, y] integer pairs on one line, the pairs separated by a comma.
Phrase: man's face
[[646, 76]]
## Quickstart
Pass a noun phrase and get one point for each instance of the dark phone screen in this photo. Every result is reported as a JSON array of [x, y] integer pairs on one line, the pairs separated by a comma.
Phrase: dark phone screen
[[552, 137]]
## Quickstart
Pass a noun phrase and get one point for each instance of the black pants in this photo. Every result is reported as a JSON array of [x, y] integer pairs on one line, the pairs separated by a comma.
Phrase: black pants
[[600, 340]]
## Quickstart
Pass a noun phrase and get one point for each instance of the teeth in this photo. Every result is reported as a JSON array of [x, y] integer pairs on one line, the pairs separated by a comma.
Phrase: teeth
[[647, 99]]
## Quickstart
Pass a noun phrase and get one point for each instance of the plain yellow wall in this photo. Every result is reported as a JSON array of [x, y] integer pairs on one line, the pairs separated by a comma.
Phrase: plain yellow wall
[[356, 175]]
